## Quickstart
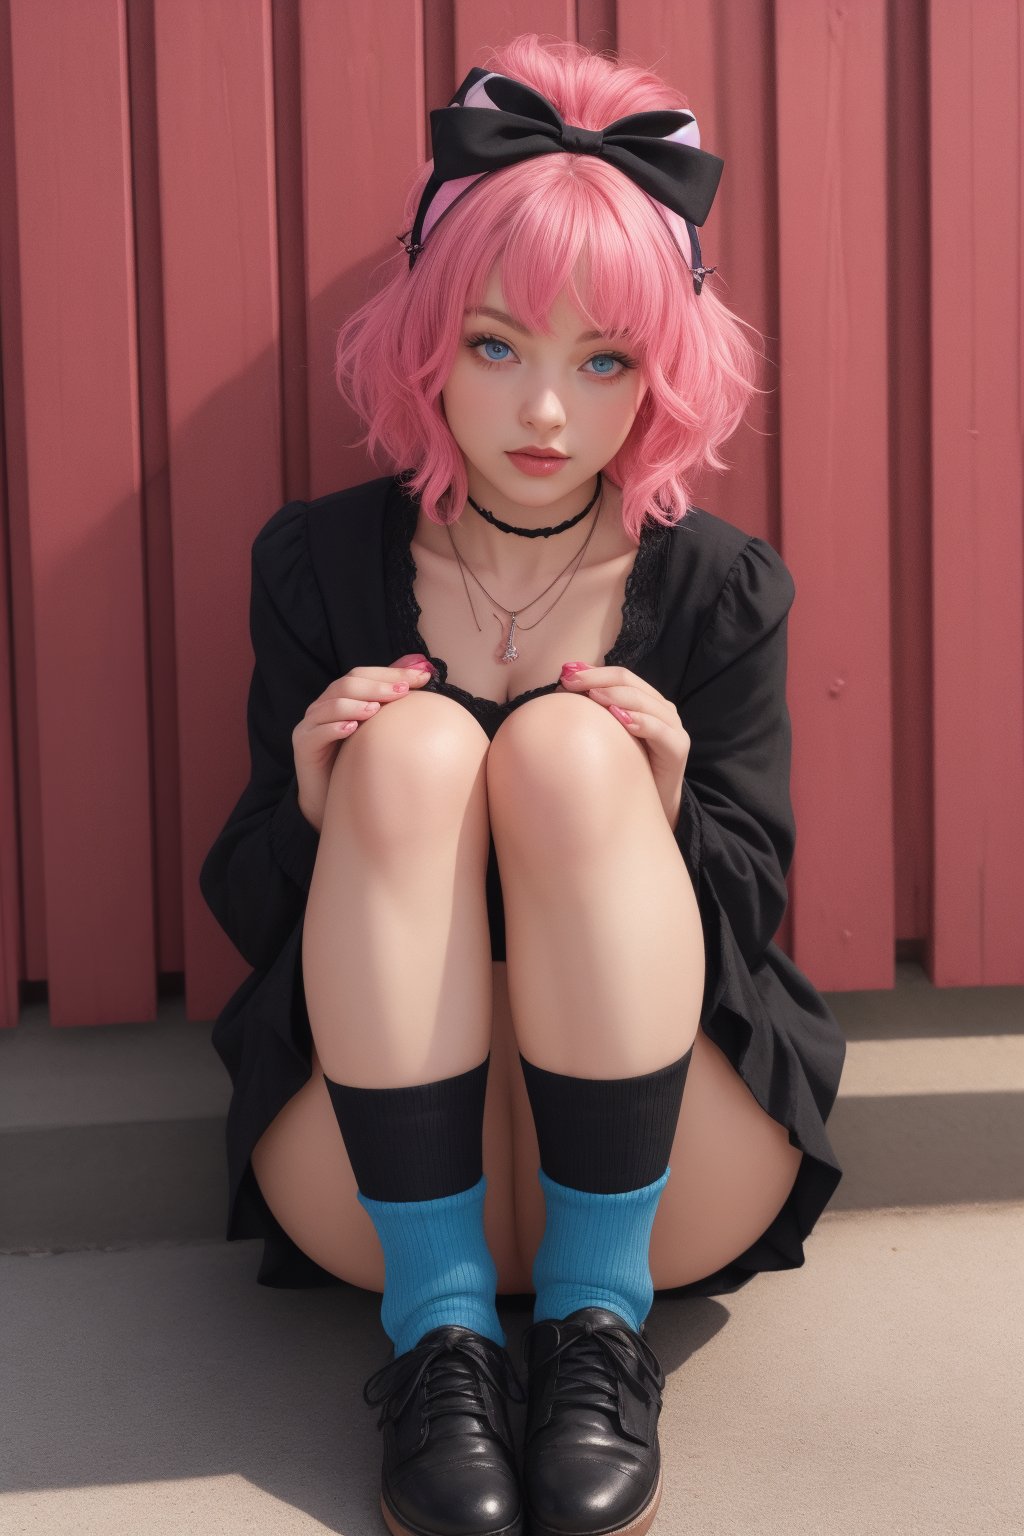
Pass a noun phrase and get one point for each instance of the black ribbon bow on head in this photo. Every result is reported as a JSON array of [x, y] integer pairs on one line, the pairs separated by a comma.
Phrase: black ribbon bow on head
[[469, 141]]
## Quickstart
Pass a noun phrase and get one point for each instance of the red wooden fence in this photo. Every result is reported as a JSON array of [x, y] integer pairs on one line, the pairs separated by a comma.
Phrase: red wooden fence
[[194, 193]]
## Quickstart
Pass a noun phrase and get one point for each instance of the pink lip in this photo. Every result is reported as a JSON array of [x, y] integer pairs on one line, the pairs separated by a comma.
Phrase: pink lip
[[540, 453], [534, 464]]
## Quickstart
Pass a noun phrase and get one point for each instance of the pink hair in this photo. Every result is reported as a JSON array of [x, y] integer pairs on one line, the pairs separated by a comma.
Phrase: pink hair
[[555, 222]]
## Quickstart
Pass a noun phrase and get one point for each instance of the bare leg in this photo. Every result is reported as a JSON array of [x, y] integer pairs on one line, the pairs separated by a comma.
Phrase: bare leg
[[397, 973], [605, 972], [396, 956]]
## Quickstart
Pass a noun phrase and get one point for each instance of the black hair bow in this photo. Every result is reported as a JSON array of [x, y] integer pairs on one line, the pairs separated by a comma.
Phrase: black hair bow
[[467, 141]]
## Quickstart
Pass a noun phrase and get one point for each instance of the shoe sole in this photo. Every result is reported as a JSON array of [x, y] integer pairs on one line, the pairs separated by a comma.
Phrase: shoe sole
[[640, 1523], [399, 1527]]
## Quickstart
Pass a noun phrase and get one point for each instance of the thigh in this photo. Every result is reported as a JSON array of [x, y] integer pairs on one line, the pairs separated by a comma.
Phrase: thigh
[[304, 1174], [601, 917], [732, 1171], [395, 942]]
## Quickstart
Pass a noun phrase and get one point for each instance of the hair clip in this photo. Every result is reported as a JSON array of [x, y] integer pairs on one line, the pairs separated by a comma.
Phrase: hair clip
[[407, 245]]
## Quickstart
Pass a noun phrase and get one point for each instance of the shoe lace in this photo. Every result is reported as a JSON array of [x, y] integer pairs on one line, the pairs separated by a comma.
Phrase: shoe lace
[[601, 1355], [450, 1367]]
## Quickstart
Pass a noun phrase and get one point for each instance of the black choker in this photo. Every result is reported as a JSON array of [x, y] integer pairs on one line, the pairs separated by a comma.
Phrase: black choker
[[537, 533]]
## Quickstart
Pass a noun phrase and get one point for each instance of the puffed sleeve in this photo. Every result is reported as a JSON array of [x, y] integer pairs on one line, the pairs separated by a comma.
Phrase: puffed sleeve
[[736, 827], [256, 876]]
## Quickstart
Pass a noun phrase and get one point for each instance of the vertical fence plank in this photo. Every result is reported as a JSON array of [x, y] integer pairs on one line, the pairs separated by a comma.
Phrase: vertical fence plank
[[910, 530], [83, 558], [292, 199], [222, 337], [830, 70], [158, 550], [362, 138], [976, 208], [737, 112], [13, 960], [10, 912]]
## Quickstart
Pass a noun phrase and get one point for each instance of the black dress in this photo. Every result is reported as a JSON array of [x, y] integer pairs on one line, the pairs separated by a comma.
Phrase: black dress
[[704, 620]]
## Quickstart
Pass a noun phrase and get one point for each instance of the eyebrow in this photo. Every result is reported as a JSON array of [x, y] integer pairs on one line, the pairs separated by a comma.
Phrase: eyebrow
[[499, 314]]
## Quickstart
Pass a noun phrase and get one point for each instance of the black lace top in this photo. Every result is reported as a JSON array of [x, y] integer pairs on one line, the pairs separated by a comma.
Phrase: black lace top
[[636, 637]]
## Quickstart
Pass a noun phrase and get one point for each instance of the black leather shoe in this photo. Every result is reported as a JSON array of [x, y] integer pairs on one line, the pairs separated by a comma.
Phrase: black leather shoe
[[591, 1460], [449, 1459]]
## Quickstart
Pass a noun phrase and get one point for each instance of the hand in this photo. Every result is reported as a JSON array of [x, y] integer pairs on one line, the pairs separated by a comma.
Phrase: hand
[[337, 714], [647, 715]]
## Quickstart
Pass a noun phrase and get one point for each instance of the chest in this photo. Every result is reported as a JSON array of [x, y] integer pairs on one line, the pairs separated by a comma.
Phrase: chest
[[582, 625]]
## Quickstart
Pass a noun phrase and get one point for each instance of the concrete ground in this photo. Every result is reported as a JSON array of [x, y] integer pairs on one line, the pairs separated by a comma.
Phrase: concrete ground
[[149, 1385]]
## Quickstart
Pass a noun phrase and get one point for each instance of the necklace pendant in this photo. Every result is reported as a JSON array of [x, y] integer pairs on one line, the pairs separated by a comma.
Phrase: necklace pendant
[[511, 651]]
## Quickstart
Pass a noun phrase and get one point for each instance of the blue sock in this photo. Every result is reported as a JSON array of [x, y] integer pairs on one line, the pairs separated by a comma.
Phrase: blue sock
[[437, 1266], [594, 1252]]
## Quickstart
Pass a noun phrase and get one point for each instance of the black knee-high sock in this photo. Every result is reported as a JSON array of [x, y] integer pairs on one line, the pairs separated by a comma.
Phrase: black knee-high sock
[[414, 1143], [606, 1134], [417, 1156], [604, 1149]]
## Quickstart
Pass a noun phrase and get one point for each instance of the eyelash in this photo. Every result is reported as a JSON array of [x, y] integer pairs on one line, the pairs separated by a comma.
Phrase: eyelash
[[472, 342]]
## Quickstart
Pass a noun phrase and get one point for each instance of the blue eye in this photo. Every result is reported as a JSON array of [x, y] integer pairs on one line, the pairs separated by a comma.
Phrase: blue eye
[[474, 343]]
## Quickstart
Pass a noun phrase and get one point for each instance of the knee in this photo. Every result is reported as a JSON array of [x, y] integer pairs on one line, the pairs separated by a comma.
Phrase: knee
[[418, 758], [560, 765]]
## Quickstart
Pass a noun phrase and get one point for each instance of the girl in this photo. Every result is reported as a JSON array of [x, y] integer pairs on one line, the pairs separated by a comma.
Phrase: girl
[[551, 369]]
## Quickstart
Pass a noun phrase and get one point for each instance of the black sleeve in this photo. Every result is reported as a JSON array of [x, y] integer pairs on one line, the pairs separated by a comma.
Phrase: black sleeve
[[736, 821], [256, 876]]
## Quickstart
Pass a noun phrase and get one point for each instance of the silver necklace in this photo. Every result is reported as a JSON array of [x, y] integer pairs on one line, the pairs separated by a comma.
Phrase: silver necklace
[[508, 651]]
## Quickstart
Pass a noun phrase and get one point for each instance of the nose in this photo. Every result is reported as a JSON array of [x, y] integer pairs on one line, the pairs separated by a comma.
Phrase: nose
[[544, 410]]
